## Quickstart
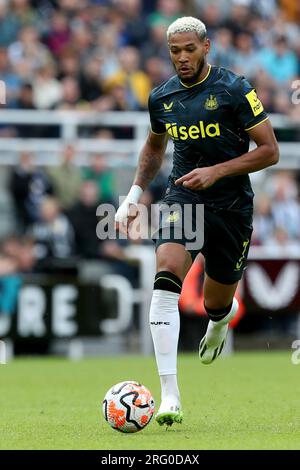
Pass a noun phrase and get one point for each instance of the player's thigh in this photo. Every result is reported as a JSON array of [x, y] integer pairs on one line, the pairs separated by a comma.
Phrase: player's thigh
[[216, 294], [174, 258], [226, 250]]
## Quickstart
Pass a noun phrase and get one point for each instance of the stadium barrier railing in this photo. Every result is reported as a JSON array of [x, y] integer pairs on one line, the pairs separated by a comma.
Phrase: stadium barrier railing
[[70, 123]]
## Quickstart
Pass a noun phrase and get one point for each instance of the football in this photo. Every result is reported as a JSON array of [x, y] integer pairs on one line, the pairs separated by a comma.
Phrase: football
[[128, 406]]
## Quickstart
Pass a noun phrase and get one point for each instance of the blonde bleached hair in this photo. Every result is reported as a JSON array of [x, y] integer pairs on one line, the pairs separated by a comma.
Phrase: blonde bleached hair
[[187, 24]]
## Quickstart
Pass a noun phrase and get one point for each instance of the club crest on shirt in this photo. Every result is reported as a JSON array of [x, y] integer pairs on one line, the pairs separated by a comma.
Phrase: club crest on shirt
[[211, 103], [173, 217]]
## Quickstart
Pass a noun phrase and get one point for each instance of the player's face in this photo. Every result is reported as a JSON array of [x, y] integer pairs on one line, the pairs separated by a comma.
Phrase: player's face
[[188, 54]]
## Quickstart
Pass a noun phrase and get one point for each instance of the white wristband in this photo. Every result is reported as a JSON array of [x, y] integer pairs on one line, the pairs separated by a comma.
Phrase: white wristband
[[134, 194], [132, 198]]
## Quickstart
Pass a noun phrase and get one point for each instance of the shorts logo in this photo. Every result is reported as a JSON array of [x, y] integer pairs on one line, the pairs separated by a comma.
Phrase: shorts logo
[[211, 103], [255, 103], [240, 262], [193, 132], [174, 217], [168, 107]]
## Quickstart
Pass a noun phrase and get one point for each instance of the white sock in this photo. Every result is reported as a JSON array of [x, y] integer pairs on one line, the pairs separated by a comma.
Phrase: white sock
[[164, 326], [218, 325], [169, 386]]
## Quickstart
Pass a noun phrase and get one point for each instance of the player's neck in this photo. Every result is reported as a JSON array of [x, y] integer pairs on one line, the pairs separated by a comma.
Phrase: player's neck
[[203, 74], [200, 78]]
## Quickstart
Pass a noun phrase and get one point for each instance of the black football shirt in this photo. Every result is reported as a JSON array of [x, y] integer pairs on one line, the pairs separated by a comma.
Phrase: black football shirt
[[208, 123]]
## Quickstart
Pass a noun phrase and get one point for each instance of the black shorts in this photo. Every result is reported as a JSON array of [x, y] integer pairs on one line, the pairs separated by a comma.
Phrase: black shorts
[[222, 236]]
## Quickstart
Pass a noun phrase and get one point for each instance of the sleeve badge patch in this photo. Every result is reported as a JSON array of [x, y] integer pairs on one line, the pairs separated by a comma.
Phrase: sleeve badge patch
[[255, 103]]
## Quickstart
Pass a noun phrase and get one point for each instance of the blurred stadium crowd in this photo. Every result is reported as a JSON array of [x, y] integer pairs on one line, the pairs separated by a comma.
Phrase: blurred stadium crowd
[[106, 55]]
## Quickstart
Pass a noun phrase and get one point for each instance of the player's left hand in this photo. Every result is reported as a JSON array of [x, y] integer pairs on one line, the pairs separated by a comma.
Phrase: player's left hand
[[200, 178]]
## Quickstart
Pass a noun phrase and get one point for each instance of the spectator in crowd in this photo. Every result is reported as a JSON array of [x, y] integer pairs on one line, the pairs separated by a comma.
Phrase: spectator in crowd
[[282, 27], [82, 40], [285, 204], [16, 257], [71, 97], [280, 63], [25, 101], [28, 186], [102, 177], [167, 11], [58, 34], [66, 178], [10, 283], [90, 80], [211, 16], [238, 19], [118, 99], [261, 31], [265, 8], [10, 78], [132, 78], [282, 102], [135, 31], [223, 53], [263, 221], [47, 90], [246, 60], [291, 10], [156, 70], [280, 244], [224, 7], [277, 212], [28, 54], [53, 234], [68, 64], [24, 12], [107, 44], [156, 46], [21, 251], [84, 220], [25, 98], [9, 25]]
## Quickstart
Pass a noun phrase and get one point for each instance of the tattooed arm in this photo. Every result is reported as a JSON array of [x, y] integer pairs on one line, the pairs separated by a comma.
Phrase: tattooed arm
[[150, 161], [151, 158]]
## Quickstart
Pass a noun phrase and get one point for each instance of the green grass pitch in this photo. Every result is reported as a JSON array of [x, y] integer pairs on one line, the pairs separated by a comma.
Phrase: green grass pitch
[[246, 401]]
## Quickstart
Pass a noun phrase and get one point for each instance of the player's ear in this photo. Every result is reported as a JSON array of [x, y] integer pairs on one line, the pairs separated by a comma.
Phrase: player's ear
[[207, 45]]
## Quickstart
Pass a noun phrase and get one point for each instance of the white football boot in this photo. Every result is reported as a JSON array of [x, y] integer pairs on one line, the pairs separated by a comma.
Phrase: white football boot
[[169, 411], [213, 342]]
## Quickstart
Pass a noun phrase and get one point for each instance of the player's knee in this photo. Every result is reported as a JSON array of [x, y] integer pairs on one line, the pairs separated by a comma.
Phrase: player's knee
[[172, 259], [217, 314], [170, 266], [166, 280]]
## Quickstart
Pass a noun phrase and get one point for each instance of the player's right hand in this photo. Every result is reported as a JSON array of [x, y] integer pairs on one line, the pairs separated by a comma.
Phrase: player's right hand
[[125, 215], [199, 178]]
